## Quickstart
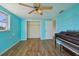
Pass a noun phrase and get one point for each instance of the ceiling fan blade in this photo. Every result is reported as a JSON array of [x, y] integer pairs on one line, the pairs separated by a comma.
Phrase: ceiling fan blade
[[36, 5], [36, 12], [31, 11], [45, 8], [26, 5]]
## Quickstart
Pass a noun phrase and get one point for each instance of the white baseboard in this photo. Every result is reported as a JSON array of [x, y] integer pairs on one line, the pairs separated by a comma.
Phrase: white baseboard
[[9, 48], [23, 39]]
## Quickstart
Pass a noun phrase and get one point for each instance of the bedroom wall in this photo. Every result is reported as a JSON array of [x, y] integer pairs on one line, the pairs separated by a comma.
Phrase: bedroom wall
[[46, 29], [23, 29], [8, 38], [43, 29], [68, 20]]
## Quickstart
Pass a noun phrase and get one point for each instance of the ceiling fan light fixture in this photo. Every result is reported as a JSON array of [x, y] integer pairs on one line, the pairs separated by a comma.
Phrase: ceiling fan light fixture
[[35, 12], [38, 11]]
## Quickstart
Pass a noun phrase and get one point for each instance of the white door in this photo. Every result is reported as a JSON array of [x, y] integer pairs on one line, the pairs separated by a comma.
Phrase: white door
[[49, 30], [33, 29]]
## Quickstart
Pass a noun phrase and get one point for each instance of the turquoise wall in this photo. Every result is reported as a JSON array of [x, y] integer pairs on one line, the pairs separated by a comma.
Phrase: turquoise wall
[[23, 29], [43, 29], [68, 20], [10, 37]]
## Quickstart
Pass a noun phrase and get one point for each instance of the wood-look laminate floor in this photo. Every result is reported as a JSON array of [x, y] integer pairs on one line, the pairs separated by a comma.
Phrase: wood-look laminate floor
[[34, 47]]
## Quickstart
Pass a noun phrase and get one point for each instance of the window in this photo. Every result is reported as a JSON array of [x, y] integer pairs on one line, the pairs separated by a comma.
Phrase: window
[[4, 21]]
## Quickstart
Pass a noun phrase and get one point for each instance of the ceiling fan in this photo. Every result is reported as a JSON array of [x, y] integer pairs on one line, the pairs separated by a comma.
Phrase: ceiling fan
[[38, 9]]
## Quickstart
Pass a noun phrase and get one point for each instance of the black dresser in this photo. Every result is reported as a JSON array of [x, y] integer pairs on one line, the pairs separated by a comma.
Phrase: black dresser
[[69, 40]]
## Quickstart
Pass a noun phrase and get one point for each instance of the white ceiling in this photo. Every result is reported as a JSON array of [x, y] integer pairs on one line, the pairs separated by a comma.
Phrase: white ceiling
[[22, 11]]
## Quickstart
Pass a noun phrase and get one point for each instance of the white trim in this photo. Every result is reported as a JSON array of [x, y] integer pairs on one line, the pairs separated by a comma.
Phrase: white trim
[[9, 48], [8, 28], [24, 40], [32, 20]]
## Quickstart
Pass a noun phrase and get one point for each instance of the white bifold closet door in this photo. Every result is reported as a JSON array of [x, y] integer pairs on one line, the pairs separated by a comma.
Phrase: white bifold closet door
[[33, 29]]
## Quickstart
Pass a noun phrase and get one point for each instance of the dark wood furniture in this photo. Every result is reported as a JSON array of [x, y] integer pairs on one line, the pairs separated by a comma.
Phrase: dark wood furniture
[[69, 40]]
